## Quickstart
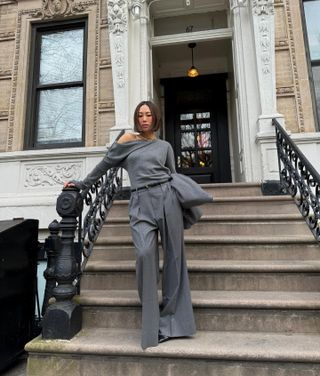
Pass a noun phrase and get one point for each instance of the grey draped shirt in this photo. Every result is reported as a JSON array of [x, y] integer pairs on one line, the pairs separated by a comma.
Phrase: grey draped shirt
[[146, 162]]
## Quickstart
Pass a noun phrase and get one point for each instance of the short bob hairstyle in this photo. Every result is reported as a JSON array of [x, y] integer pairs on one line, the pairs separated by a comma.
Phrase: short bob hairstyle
[[155, 112]]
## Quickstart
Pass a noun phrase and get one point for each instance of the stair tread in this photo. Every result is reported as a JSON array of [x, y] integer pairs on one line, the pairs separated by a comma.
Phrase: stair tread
[[216, 265], [213, 298], [231, 217], [225, 345], [234, 198], [231, 239]]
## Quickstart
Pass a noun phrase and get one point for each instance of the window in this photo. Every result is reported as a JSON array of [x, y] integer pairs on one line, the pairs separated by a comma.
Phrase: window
[[57, 86], [312, 21]]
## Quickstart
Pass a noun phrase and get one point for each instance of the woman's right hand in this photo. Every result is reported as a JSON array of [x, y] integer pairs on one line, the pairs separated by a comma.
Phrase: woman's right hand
[[68, 184]]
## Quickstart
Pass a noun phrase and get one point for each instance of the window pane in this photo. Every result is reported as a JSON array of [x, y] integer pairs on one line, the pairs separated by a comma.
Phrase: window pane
[[205, 158], [187, 160], [204, 139], [60, 116], [203, 126], [186, 116], [203, 115], [312, 11], [187, 127], [61, 57], [187, 140], [316, 80]]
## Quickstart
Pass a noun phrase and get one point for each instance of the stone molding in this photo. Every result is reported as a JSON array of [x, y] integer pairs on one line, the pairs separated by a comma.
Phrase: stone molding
[[263, 7], [285, 91], [48, 175], [59, 8], [117, 16], [7, 35]]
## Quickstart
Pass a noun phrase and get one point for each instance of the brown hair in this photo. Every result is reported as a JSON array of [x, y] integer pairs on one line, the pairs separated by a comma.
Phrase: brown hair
[[155, 112]]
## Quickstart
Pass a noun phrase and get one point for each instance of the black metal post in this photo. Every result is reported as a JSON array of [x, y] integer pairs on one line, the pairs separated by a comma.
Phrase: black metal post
[[63, 319], [51, 245]]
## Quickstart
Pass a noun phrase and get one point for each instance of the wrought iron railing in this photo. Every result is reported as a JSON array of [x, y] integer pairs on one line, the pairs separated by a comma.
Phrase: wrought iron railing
[[299, 178], [62, 319]]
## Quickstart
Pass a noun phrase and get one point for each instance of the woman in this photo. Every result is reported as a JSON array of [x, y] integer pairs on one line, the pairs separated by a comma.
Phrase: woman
[[153, 208]]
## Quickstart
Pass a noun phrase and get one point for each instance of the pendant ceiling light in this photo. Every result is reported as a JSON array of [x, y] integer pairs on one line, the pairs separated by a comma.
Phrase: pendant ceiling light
[[192, 71]]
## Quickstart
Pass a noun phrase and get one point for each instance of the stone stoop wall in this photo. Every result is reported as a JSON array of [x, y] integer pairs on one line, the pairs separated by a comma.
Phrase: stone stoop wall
[[294, 99]]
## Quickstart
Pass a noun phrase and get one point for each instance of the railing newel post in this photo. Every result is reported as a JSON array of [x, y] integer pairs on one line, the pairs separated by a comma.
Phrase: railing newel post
[[63, 319]]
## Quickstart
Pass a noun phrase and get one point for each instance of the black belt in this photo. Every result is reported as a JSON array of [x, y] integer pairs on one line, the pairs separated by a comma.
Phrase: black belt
[[147, 186]]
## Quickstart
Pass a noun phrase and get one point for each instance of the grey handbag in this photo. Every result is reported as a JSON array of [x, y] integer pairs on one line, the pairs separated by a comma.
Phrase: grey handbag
[[190, 196], [189, 192]]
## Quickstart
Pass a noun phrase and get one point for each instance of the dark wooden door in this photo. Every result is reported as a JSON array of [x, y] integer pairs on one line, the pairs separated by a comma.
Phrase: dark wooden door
[[197, 128]]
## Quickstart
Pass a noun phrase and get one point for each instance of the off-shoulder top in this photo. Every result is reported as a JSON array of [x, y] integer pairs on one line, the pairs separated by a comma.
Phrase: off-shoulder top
[[145, 161]]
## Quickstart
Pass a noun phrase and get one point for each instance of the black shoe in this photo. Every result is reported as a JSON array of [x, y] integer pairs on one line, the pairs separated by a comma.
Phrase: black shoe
[[162, 338]]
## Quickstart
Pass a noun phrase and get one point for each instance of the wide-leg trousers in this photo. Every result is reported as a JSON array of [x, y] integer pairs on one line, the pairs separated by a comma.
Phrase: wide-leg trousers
[[154, 210]]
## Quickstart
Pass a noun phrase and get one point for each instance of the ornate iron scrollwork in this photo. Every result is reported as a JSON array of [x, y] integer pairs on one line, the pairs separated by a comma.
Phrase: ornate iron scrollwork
[[99, 199], [299, 178]]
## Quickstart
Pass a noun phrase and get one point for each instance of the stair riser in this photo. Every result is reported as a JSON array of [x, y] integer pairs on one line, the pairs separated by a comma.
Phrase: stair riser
[[97, 365], [222, 251], [213, 319], [213, 281], [228, 208], [230, 229], [230, 191]]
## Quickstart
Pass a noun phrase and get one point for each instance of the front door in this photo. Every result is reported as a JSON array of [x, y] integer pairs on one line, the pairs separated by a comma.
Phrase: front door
[[196, 126]]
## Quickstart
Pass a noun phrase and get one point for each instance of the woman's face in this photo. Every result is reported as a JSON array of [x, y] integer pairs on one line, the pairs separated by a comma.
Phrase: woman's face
[[145, 118]]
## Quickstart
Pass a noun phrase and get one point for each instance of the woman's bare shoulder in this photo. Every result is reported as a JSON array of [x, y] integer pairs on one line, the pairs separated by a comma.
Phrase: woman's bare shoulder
[[127, 137]]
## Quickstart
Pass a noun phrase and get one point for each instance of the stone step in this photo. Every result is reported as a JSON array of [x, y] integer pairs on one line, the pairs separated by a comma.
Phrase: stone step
[[231, 205], [116, 352], [218, 247], [207, 251], [233, 189], [250, 311], [211, 226], [277, 275]]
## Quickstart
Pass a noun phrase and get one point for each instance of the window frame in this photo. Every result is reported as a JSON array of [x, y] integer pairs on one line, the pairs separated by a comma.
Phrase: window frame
[[310, 64], [34, 89]]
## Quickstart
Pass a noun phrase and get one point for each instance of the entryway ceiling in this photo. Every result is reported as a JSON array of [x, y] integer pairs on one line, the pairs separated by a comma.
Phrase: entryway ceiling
[[165, 8]]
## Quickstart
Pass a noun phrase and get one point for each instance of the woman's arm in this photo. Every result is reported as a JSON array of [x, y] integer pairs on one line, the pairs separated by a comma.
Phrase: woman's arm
[[113, 158], [170, 162]]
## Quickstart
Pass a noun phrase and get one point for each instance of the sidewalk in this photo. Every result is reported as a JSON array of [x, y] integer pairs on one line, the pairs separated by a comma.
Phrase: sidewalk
[[18, 368]]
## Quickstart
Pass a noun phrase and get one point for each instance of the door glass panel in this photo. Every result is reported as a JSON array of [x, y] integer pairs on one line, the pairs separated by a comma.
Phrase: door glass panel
[[187, 140], [186, 127], [186, 116], [204, 139], [188, 159], [203, 126], [203, 115], [205, 158]]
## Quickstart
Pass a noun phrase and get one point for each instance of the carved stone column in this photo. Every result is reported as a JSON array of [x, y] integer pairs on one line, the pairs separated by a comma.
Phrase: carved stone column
[[118, 39], [264, 35], [243, 67]]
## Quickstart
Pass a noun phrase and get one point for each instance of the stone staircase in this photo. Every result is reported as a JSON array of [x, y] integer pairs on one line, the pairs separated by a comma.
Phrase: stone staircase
[[254, 270]]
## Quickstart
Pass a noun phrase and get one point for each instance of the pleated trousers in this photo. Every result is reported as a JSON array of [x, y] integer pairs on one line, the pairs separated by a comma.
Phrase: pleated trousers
[[152, 211]]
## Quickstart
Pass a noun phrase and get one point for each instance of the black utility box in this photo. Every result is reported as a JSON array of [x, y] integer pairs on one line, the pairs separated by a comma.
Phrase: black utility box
[[18, 281]]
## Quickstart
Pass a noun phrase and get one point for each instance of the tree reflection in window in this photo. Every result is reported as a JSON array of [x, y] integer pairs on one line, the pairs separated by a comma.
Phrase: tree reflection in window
[[196, 140], [60, 112], [61, 57]]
